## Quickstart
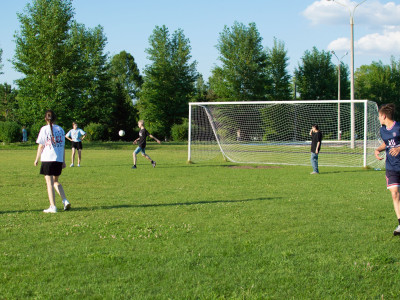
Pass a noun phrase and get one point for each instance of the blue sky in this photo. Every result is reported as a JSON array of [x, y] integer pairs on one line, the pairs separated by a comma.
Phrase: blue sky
[[300, 24]]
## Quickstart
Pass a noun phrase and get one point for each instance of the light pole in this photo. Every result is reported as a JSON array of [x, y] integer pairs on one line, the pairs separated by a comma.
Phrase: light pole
[[351, 11], [338, 67]]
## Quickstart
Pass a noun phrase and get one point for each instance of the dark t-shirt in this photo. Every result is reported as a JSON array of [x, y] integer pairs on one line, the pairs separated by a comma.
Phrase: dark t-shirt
[[391, 137], [315, 138], [143, 134]]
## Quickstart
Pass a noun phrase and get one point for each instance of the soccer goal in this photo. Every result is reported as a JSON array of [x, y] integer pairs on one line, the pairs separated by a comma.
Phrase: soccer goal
[[278, 132]]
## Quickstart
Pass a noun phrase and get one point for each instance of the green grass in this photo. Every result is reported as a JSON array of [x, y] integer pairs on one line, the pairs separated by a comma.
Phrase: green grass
[[194, 231]]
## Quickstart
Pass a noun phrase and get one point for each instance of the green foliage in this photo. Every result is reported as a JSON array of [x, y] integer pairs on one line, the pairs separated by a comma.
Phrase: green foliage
[[315, 76], [124, 71], [179, 132], [10, 132], [169, 82], [243, 73], [379, 83], [123, 115], [43, 56], [33, 131], [64, 65], [96, 132], [8, 103], [277, 63]]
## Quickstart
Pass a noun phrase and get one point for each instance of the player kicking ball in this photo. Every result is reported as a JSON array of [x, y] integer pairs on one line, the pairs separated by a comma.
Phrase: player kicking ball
[[141, 141], [390, 134]]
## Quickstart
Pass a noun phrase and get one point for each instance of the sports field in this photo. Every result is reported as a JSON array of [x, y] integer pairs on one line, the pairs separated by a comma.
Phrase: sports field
[[213, 230]]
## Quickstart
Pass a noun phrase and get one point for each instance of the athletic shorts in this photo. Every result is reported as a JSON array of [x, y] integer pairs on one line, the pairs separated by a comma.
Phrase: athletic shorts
[[77, 145], [392, 178], [51, 168], [138, 149]]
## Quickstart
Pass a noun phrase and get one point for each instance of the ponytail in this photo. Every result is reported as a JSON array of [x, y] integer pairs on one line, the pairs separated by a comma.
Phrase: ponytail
[[50, 117]]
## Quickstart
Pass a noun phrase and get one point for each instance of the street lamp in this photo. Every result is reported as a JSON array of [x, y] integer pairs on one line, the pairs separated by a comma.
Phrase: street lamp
[[338, 67], [351, 11]]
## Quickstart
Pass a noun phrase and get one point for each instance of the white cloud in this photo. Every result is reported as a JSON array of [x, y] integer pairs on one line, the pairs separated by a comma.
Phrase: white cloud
[[387, 42], [371, 13], [381, 19]]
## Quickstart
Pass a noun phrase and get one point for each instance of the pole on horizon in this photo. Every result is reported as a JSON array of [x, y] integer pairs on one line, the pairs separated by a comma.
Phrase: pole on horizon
[[352, 122]]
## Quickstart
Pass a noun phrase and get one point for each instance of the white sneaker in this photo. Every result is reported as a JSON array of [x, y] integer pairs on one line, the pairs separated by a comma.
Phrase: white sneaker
[[79, 165], [51, 210], [397, 231], [67, 205], [71, 165]]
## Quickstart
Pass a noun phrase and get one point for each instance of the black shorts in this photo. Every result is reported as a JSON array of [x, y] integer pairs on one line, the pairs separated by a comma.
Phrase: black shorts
[[392, 178], [51, 168], [77, 145]]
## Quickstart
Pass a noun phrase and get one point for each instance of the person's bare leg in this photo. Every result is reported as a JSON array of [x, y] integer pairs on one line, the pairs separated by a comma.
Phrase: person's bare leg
[[59, 188], [73, 156], [50, 189], [79, 156]]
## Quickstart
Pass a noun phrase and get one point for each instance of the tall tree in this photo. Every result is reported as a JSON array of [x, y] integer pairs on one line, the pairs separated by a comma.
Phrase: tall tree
[[379, 82], [243, 73], [315, 76], [126, 82], [8, 103], [124, 70], [277, 63], [44, 57], [92, 79], [169, 82], [63, 63]]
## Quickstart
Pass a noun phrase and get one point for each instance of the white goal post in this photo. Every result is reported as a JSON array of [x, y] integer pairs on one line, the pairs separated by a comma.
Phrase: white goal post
[[277, 132]]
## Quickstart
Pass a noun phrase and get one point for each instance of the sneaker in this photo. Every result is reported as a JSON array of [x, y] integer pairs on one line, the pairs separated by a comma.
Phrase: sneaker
[[153, 163], [79, 165], [67, 205], [397, 231], [71, 165], [313, 173], [133, 167], [51, 210]]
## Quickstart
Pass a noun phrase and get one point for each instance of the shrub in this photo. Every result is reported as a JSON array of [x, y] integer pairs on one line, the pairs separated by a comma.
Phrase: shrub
[[96, 132], [10, 132], [179, 132], [33, 131]]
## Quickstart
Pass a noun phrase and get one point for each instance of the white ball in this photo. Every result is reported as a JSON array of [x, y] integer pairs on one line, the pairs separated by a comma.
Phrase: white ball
[[121, 133]]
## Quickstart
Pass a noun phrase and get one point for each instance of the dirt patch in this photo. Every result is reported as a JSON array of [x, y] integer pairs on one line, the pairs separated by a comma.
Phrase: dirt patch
[[254, 167]]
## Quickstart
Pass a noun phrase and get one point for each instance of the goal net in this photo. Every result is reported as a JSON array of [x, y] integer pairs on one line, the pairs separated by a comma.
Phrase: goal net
[[278, 132]]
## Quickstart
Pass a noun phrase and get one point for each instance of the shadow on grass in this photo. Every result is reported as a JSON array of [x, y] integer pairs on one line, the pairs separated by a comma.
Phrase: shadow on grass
[[173, 204], [147, 205]]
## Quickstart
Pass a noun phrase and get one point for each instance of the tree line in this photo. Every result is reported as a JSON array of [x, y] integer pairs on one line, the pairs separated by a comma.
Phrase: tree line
[[65, 68]]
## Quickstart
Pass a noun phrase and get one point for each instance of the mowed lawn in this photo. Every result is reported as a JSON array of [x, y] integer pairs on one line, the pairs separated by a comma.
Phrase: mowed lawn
[[212, 230]]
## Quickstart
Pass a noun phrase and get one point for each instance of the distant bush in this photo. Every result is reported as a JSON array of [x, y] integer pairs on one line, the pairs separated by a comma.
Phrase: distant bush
[[179, 132], [33, 131], [10, 132], [96, 132]]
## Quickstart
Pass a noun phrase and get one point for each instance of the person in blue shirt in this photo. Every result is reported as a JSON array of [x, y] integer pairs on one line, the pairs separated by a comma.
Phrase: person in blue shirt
[[76, 136], [390, 134]]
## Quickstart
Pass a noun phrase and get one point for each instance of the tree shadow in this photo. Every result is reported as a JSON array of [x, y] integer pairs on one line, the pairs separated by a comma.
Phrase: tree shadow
[[172, 204], [102, 207]]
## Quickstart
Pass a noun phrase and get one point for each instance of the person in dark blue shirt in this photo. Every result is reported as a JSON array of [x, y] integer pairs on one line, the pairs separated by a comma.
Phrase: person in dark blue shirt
[[390, 134]]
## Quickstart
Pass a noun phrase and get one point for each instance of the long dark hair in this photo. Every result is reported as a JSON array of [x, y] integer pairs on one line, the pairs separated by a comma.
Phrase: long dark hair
[[50, 117]]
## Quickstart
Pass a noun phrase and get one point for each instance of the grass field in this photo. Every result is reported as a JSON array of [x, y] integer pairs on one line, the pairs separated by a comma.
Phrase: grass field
[[213, 230]]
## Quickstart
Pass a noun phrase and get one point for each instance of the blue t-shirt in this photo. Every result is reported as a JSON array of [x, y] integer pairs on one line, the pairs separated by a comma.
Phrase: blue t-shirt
[[76, 135], [391, 137]]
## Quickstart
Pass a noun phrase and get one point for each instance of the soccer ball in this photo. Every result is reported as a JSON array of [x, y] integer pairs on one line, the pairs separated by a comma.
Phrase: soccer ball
[[121, 133]]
